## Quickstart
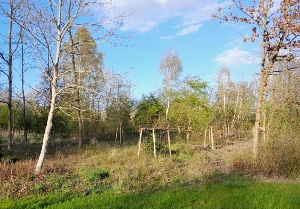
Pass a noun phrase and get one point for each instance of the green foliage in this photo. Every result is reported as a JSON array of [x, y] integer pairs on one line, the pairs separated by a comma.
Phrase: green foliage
[[63, 126], [3, 116], [190, 107], [149, 111], [18, 122], [40, 120], [119, 113], [160, 144]]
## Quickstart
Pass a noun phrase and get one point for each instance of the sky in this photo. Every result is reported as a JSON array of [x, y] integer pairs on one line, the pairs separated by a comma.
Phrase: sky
[[157, 26], [203, 45]]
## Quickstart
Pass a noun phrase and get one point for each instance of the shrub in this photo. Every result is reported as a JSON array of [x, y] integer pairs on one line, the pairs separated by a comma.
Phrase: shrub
[[276, 158], [160, 145]]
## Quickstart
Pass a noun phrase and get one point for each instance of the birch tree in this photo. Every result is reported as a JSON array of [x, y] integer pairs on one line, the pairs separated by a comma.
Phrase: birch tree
[[224, 98], [50, 22], [170, 67], [278, 28]]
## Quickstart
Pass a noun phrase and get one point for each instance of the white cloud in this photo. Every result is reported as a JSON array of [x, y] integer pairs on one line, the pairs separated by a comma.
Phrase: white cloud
[[189, 29], [148, 14], [236, 57], [162, 2], [166, 37]]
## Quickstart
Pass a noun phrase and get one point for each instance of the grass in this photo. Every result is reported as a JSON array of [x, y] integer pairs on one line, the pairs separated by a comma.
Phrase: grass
[[228, 194], [110, 176]]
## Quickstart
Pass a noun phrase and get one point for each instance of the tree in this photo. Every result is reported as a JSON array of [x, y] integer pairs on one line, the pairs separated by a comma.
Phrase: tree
[[190, 108], [170, 67], [148, 111], [11, 13], [282, 102], [85, 62], [23, 91], [49, 25], [118, 105], [278, 29], [224, 103], [244, 106]]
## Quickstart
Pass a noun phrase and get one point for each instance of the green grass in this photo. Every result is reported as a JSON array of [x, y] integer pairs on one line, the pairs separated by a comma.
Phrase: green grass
[[228, 194]]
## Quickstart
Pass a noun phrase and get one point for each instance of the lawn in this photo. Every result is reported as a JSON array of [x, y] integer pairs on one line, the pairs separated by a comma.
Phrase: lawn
[[239, 194]]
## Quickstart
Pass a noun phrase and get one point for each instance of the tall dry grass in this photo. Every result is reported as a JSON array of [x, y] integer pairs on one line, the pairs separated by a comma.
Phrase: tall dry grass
[[277, 157]]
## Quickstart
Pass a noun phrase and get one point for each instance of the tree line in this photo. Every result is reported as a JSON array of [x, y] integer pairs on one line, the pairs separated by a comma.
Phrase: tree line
[[77, 96]]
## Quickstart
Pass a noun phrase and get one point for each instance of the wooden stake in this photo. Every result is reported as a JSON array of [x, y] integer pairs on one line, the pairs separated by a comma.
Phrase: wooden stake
[[140, 141], [154, 145], [204, 143], [212, 139], [169, 143]]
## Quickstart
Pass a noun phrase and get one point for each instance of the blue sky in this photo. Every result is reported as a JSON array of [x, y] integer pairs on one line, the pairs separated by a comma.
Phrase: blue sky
[[156, 26], [203, 45]]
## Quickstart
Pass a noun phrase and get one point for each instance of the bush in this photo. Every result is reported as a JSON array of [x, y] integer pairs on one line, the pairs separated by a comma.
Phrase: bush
[[280, 158], [160, 145], [276, 158]]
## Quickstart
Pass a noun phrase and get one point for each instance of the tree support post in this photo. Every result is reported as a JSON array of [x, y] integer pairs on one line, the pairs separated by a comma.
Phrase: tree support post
[[140, 141], [169, 143], [154, 143], [212, 139]]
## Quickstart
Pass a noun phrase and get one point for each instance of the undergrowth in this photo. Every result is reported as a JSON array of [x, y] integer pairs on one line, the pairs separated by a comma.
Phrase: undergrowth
[[278, 157], [105, 167], [92, 170]]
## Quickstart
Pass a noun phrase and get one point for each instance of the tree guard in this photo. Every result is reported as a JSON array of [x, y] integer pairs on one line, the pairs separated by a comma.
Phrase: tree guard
[[154, 139]]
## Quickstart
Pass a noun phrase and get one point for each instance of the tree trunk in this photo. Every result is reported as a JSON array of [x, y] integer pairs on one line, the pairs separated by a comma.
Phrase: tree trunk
[[257, 123], [23, 93], [53, 94], [47, 131], [9, 63], [264, 73], [77, 90], [263, 79]]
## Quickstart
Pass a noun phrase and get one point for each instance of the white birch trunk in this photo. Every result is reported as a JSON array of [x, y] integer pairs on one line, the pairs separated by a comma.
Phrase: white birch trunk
[[46, 134], [53, 94]]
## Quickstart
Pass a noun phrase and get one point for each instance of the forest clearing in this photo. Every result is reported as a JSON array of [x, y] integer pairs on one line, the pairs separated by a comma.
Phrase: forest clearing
[[150, 105], [109, 175]]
